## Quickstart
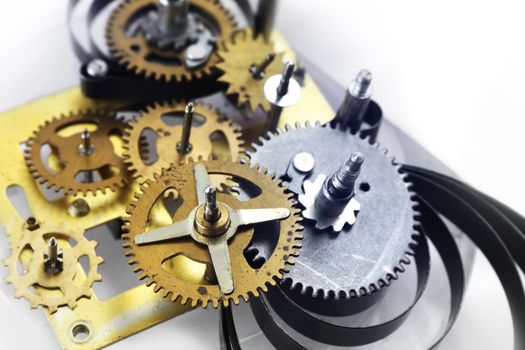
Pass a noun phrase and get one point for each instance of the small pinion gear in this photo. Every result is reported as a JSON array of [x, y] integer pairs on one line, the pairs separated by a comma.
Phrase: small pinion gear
[[240, 58]]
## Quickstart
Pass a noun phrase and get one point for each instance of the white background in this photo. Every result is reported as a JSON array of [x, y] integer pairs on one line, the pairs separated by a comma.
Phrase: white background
[[450, 73]]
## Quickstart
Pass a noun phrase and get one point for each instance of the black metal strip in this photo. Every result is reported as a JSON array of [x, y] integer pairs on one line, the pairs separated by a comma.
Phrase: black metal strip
[[447, 199], [320, 330], [228, 334]]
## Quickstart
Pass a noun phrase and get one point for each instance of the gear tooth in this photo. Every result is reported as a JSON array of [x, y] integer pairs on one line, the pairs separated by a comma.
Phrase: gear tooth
[[149, 282], [51, 308], [71, 304], [193, 302]]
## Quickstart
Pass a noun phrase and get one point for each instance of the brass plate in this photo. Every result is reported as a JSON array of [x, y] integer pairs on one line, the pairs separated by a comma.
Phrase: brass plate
[[136, 309]]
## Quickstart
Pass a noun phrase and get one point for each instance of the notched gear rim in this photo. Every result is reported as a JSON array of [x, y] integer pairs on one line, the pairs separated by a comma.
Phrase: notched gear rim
[[264, 277], [215, 121], [241, 85], [72, 293], [44, 177], [120, 45], [404, 260]]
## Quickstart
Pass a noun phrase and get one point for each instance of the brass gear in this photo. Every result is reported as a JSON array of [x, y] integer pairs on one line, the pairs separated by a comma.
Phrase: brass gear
[[67, 285], [169, 135], [247, 280], [134, 53], [68, 163], [237, 57]]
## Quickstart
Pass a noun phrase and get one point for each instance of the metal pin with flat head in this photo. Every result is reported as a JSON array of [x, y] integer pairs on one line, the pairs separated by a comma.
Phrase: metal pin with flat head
[[184, 145], [257, 70], [355, 104]]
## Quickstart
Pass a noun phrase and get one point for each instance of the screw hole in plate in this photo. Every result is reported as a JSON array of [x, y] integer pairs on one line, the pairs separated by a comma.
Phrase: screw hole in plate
[[80, 332]]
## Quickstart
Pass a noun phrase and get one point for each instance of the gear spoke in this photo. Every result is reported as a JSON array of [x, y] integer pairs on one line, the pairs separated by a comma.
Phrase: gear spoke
[[220, 257], [177, 230], [254, 216], [202, 181]]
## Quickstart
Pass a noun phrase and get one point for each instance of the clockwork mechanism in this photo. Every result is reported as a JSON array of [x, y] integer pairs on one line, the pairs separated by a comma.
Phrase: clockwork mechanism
[[169, 39]]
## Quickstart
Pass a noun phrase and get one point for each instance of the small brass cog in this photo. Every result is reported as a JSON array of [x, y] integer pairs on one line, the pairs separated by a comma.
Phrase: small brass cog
[[208, 124], [133, 51], [151, 259], [60, 289], [238, 57], [82, 156]]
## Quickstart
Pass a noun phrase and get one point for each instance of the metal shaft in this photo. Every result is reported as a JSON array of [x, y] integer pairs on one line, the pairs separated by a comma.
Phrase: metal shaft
[[211, 209], [86, 148], [356, 101], [173, 16], [52, 245], [265, 17], [273, 118], [184, 145], [257, 70], [53, 259], [338, 189], [282, 88]]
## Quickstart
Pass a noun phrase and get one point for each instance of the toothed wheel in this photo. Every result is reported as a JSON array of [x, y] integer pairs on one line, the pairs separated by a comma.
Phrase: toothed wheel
[[212, 134], [128, 40], [52, 290], [76, 153], [155, 255], [365, 256], [240, 59]]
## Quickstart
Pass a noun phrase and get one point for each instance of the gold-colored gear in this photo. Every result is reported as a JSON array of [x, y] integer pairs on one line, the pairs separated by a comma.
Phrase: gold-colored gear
[[237, 57], [67, 161], [52, 291], [169, 135], [248, 281], [133, 51]]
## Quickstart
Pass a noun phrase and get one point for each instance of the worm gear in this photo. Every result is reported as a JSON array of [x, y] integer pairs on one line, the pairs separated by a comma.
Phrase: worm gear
[[246, 62], [212, 134], [185, 181], [44, 288], [133, 43], [363, 257], [82, 157]]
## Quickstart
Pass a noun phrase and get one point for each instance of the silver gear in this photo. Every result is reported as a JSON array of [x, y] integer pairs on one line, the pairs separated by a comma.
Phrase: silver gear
[[366, 256], [321, 221]]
